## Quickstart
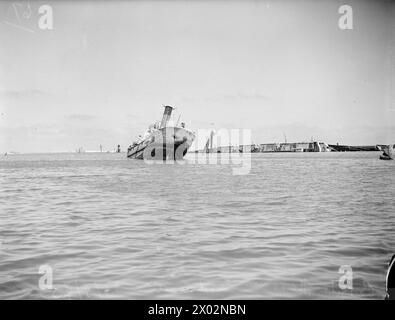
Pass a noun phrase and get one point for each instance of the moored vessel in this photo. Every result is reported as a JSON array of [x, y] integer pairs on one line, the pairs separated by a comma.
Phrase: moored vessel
[[388, 153]]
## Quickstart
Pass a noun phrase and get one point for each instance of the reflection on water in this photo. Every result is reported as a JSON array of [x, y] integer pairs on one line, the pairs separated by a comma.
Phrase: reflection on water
[[110, 227]]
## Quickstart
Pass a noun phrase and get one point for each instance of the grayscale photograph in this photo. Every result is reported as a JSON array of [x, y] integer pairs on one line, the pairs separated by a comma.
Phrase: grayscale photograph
[[197, 150]]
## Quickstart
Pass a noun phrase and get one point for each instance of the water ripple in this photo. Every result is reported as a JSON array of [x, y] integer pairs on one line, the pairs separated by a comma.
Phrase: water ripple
[[116, 228]]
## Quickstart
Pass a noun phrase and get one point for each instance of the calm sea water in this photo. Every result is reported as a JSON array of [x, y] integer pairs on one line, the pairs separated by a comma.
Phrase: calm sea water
[[109, 227]]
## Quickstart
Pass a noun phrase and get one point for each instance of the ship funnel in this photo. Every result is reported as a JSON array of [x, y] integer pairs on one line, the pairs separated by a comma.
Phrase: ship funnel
[[166, 116]]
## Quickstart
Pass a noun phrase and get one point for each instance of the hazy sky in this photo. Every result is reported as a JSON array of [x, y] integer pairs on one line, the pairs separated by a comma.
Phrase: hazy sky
[[104, 71]]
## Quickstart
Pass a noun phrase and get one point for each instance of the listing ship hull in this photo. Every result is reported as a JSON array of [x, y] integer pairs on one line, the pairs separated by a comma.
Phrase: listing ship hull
[[169, 143]]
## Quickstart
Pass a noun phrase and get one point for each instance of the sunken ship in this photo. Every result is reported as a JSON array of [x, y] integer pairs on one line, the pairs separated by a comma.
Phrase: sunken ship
[[162, 140]]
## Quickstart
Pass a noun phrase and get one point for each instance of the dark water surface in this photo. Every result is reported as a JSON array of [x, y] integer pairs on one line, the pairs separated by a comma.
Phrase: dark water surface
[[109, 227]]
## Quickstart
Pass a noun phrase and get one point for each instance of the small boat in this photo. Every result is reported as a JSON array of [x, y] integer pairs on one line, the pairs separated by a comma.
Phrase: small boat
[[162, 142], [385, 157], [388, 153], [390, 280]]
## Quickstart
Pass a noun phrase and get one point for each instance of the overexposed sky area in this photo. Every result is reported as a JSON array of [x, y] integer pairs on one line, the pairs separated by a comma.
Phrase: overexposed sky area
[[101, 75]]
